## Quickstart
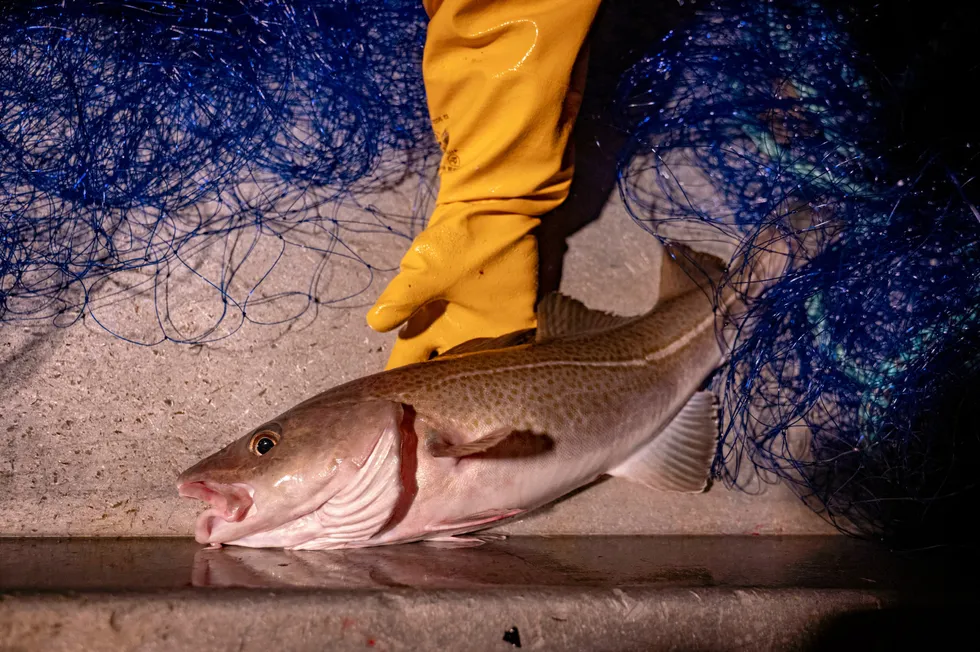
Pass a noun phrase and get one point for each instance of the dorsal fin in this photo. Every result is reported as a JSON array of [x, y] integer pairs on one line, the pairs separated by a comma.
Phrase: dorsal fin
[[683, 270], [559, 315], [516, 338]]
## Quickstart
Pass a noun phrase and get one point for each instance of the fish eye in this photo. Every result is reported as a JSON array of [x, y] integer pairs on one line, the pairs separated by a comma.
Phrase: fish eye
[[263, 442]]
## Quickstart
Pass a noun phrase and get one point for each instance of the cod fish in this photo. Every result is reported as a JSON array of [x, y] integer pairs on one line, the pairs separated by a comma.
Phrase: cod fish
[[487, 431]]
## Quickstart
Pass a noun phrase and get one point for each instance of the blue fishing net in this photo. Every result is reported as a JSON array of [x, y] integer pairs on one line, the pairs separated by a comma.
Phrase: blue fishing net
[[141, 139], [136, 133], [765, 123]]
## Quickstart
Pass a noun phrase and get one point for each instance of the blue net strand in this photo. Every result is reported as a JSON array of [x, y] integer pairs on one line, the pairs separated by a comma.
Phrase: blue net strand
[[136, 133], [176, 149], [850, 376], [865, 347]]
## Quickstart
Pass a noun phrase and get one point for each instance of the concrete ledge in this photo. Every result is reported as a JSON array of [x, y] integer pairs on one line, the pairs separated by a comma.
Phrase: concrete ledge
[[637, 619], [564, 593]]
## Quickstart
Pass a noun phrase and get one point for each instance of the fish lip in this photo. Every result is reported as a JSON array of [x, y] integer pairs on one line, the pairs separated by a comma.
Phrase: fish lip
[[230, 503]]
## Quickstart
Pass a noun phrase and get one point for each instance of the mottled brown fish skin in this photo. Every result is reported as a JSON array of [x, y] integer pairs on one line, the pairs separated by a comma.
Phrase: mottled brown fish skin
[[576, 382], [598, 397], [565, 410]]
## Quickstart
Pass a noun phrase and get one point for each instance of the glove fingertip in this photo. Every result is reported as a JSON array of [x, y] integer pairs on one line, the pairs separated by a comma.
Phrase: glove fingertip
[[385, 317]]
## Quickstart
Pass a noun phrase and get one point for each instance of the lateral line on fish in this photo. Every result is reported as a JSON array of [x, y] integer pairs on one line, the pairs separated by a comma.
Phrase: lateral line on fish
[[648, 358], [682, 341]]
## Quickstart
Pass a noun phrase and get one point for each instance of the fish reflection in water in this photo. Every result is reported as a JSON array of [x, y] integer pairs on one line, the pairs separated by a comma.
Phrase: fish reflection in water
[[498, 563], [412, 566]]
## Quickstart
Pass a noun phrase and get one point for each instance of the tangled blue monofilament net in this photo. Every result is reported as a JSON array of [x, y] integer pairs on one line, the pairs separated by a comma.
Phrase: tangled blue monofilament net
[[872, 347], [136, 133], [760, 124]]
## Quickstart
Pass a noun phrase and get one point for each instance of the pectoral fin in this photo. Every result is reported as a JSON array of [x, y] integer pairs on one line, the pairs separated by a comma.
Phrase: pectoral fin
[[439, 447], [679, 458], [499, 443]]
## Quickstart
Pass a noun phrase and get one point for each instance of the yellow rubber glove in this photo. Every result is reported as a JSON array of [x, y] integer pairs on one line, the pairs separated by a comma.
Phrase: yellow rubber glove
[[504, 80]]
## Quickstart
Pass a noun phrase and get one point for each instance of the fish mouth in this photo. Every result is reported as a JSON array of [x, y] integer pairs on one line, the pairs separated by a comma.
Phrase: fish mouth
[[230, 503]]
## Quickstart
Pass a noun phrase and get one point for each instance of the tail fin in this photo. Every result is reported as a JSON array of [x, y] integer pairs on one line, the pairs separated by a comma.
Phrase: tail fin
[[756, 264], [759, 263], [683, 270]]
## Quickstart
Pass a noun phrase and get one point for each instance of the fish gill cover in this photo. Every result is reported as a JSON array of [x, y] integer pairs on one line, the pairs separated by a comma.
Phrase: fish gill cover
[[139, 137]]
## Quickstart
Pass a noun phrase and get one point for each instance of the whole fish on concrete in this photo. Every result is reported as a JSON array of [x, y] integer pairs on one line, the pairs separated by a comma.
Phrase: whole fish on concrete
[[486, 431]]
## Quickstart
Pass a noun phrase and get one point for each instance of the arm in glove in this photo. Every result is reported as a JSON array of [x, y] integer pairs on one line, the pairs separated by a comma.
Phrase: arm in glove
[[504, 81]]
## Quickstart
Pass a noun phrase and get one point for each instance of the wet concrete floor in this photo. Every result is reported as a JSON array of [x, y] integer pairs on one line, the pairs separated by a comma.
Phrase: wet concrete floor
[[799, 562]]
